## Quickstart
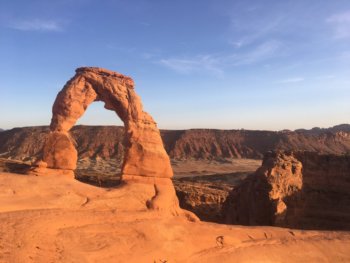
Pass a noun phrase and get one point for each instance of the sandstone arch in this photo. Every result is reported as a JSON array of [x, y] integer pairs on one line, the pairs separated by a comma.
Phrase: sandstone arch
[[144, 152], [145, 159]]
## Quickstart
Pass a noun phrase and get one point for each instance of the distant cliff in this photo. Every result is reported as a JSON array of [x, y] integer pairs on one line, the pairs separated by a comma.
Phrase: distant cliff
[[107, 142]]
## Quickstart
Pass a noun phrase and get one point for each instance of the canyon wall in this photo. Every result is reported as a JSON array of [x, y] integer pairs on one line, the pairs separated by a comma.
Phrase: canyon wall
[[106, 142]]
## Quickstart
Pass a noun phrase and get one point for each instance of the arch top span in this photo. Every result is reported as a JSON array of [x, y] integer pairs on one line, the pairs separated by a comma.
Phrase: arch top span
[[108, 73], [91, 84]]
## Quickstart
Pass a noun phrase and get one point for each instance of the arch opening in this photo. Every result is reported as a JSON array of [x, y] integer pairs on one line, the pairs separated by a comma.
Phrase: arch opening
[[99, 161], [97, 115]]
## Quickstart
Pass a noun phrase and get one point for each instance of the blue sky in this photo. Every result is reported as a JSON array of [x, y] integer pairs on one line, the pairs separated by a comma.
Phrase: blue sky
[[197, 64]]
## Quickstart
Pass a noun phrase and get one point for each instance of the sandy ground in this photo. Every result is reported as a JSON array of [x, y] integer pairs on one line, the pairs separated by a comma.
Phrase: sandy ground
[[57, 219]]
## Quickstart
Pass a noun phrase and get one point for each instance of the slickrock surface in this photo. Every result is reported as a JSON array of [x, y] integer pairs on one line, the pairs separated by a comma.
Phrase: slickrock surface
[[300, 190], [201, 186], [56, 219]]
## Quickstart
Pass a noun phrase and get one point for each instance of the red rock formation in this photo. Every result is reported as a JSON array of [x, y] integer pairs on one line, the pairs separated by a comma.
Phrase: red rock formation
[[300, 190], [145, 160], [144, 154]]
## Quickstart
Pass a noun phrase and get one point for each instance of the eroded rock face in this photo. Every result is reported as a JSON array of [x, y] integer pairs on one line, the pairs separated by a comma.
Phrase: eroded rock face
[[300, 190], [145, 159]]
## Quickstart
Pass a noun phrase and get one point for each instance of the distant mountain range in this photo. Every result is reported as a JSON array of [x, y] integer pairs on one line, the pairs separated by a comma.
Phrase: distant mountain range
[[317, 130], [106, 142]]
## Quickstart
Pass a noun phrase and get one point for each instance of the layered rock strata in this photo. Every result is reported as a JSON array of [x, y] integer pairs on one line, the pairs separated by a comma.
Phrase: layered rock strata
[[106, 142], [299, 190]]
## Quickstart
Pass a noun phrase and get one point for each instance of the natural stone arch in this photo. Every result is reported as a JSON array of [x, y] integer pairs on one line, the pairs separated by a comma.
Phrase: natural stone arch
[[145, 159], [144, 152]]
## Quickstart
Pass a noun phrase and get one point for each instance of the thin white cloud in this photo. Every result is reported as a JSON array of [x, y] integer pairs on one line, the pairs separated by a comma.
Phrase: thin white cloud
[[291, 80], [215, 64], [206, 63], [36, 25], [252, 33], [264, 51], [341, 24], [237, 44]]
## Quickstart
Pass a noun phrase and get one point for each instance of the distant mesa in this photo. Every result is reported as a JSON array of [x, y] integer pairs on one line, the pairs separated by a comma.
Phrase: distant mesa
[[145, 159]]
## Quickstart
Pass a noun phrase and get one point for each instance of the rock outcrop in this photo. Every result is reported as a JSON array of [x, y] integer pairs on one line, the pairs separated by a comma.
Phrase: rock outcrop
[[145, 159], [299, 190]]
